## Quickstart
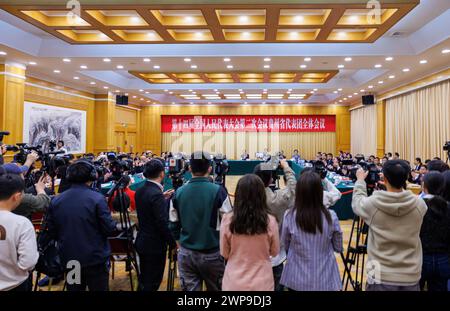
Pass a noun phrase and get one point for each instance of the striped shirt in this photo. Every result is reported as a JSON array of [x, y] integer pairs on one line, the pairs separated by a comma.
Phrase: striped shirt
[[311, 263]]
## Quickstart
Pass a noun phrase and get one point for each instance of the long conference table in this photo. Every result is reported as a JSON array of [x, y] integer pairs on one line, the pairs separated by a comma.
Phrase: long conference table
[[342, 208]]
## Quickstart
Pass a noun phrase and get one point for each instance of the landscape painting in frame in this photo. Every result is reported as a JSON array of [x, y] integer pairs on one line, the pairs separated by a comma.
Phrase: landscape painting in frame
[[43, 123]]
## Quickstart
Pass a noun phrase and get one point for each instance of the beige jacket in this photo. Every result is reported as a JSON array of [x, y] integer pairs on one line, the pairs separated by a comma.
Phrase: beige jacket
[[394, 248]]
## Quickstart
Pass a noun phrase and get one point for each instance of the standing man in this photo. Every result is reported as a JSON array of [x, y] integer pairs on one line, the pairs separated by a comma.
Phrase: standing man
[[80, 221], [154, 235], [195, 215]]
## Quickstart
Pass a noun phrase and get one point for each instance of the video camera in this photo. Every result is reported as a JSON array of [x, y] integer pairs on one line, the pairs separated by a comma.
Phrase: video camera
[[446, 146], [372, 178], [221, 168], [178, 165]]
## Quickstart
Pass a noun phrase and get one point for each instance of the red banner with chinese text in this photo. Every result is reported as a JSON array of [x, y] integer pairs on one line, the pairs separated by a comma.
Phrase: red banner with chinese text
[[257, 123]]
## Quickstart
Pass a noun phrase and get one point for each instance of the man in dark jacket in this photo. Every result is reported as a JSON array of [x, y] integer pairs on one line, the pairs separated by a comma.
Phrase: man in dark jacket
[[79, 219], [154, 234]]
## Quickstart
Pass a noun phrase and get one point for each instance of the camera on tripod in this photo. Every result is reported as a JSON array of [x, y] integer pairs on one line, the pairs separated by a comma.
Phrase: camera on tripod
[[178, 165], [221, 168]]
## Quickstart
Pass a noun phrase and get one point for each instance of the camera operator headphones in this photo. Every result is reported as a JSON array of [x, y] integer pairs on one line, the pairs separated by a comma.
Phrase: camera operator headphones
[[72, 171]]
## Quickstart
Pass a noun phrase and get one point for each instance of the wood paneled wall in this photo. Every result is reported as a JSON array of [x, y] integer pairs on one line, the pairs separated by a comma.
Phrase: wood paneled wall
[[151, 119]]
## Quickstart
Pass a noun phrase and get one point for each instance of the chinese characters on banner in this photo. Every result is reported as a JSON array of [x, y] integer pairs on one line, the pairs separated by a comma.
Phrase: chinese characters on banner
[[298, 123]]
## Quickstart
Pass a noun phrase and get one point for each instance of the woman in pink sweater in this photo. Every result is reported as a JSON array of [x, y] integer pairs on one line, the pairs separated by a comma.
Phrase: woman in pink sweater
[[248, 237]]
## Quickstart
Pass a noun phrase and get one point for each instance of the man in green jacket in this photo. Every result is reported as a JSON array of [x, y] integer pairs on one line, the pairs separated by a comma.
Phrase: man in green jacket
[[195, 215]]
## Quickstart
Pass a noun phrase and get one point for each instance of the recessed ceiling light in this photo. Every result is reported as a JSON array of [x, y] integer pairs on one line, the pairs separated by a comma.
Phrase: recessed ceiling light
[[378, 66], [230, 66], [315, 90], [147, 60], [380, 82], [348, 59], [243, 19], [299, 103], [226, 59], [303, 66], [76, 78], [340, 100], [117, 91], [3, 53], [362, 91], [57, 71], [32, 63], [370, 86], [107, 60], [350, 96], [194, 66], [345, 98], [187, 60], [147, 92], [267, 59], [391, 77], [134, 96], [266, 66], [105, 87], [307, 59], [92, 83], [339, 89], [388, 59], [119, 67], [83, 67], [312, 92], [341, 66], [445, 51], [66, 60], [356, 93], [423, 61], [156, 67], [335, 92], [405, 70], [141, 90]]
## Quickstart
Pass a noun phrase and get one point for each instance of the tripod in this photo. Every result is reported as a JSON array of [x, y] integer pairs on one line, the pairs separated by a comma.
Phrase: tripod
[[356, 251], [123, 242], [356, 255]]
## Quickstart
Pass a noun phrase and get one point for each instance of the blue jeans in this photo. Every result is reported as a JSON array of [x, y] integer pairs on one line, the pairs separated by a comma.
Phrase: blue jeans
[[196, 267], [435, 272]]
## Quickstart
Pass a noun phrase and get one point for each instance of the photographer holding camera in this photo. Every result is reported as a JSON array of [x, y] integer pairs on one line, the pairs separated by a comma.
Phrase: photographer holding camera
[[330, 193], [30, 203], [394, 218], [278, 202]]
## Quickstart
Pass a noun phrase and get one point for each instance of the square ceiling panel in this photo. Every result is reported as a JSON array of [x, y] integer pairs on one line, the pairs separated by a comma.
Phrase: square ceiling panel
[[308, 21], [180, 17], [115, 18]]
